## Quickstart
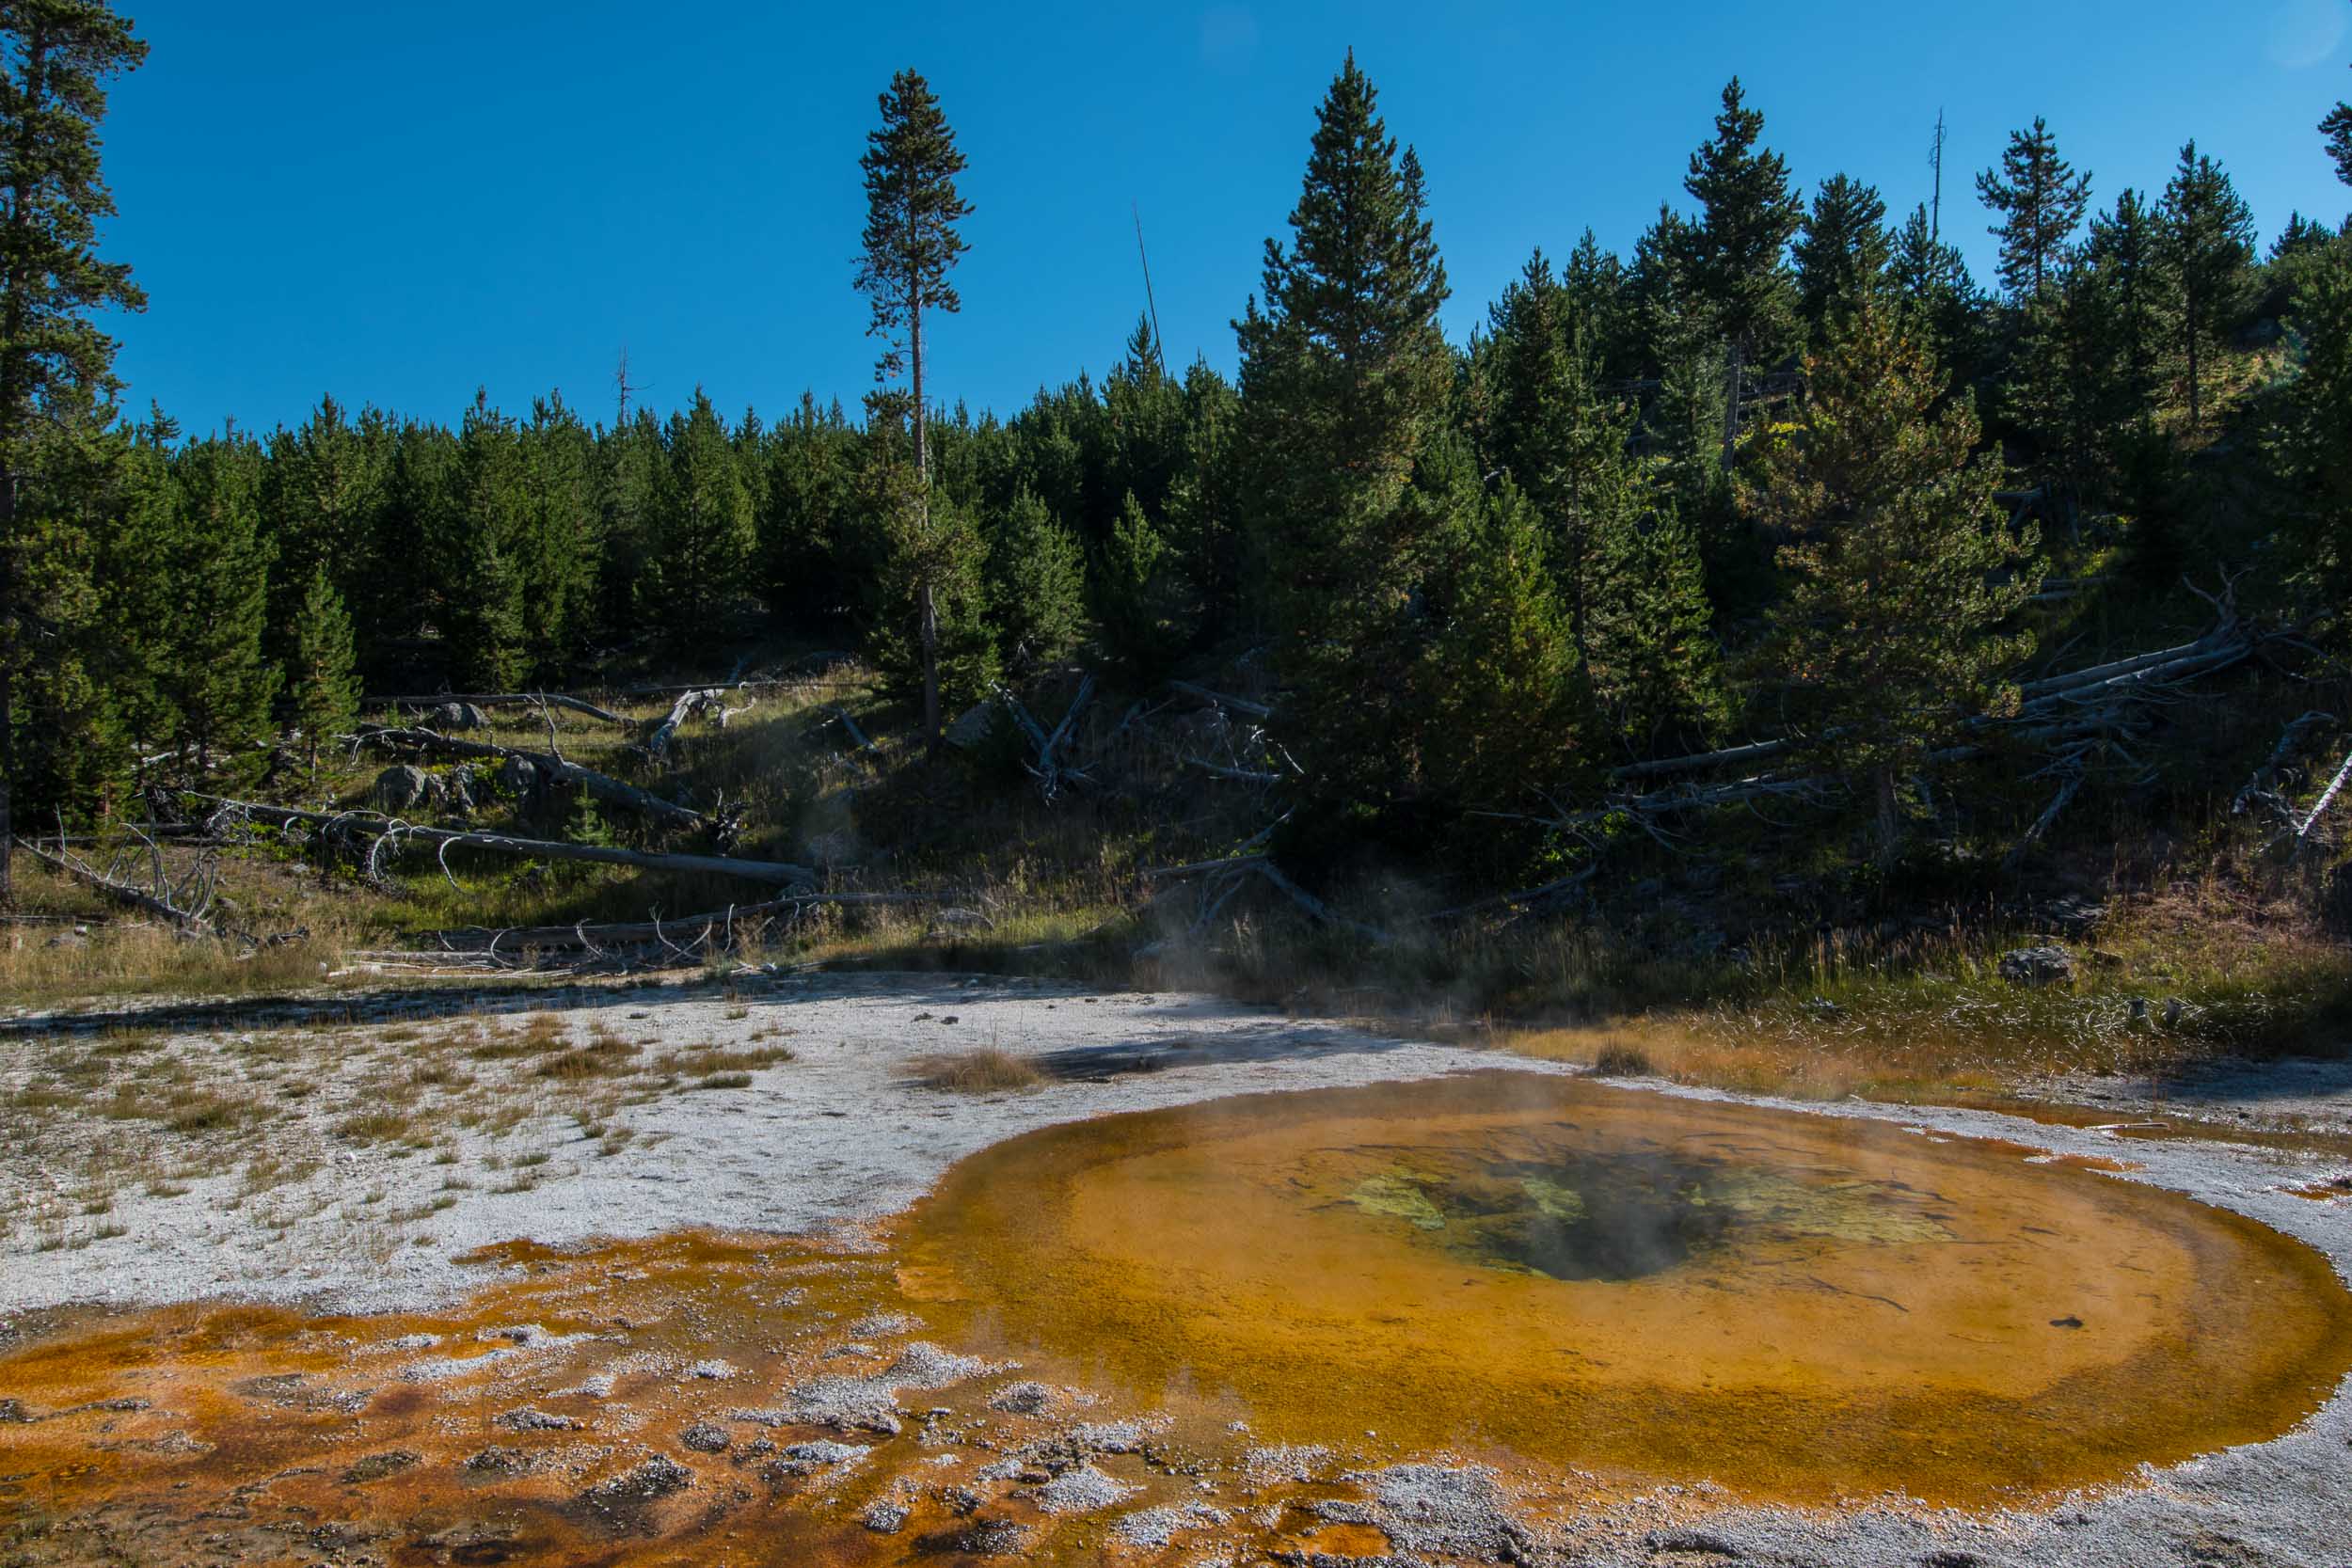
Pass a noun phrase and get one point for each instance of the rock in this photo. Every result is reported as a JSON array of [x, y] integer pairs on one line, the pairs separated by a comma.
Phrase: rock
[[535, 1420], [703, 1437], [1081, 1491], [2037, 966], [883, 1518], [404, 786], [460, 716], [465, 789], [2073, 917], [806, 1459], [519, 776], [1023, 1399], [631, 1490], [971, 726], [1107, 1436], [498, 1460], [375, 1466]]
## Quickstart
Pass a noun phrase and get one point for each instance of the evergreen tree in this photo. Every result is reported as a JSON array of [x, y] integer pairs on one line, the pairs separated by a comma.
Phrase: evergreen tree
[[1843, 251], [1559, 439], [56, 366], [1902, 568], [1739, 255], [1202, 502], [1657, 666], [702, 538], [1939, 299], [196, 577], [910, 242], [557, 548], [484, 511], [1143, 408], [322, 492], [321, 694], [1508, 698], [2299, 236], [927, 632], [1345, 376], [2041, 201], [2306, 442], [1139, 593], [800, 569], [2131, 260], [2209, 243], [396, 603], [1596, 284], [2337, 128], [1037, 583]]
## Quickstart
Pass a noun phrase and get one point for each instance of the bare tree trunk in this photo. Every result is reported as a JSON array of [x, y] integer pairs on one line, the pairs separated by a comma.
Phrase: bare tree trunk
[[923, 502]]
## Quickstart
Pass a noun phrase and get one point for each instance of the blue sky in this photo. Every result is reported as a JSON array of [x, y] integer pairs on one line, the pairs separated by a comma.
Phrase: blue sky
[[397, 203]]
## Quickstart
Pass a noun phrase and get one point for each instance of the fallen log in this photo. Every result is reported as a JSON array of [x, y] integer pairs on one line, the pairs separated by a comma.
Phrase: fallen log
[[392, 833], [2226, 644], [186, 904], [685, 929], [709, 700], [603, 786], [1239, 704], [1196, 868], [500, 699]]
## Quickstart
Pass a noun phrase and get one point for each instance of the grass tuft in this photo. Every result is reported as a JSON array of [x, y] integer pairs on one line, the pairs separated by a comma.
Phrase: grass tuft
[[983, 1070]]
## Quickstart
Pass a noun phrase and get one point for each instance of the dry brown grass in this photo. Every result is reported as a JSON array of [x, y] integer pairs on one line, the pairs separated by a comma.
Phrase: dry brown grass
[[985, 1069]]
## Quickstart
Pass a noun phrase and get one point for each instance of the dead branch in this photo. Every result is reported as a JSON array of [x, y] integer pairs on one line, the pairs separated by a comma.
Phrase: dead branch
[[392, 834], [709, 700], [1242, 775], [687, 930], [1197, 868], [1239, 704], [187, 904], [499, 699], [1050, 774]]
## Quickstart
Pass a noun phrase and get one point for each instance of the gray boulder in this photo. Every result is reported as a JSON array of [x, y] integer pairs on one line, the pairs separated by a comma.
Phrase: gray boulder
[[405, 787], [460, 716], [519, 776], [970, 727], [2037, 966]]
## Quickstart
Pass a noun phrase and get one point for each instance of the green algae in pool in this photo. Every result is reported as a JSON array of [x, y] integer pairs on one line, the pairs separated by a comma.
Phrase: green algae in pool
[[1797, 1307], [1567, 1215]]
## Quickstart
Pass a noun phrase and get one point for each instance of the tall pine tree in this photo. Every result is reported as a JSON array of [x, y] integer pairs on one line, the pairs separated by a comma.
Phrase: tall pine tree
[[56, 368], [702, 537], [2209, 243], [1842, 253], [1740, 250], [1904, 570], [1345, 375], [910, 242], [2041, 201], [322, 693]]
